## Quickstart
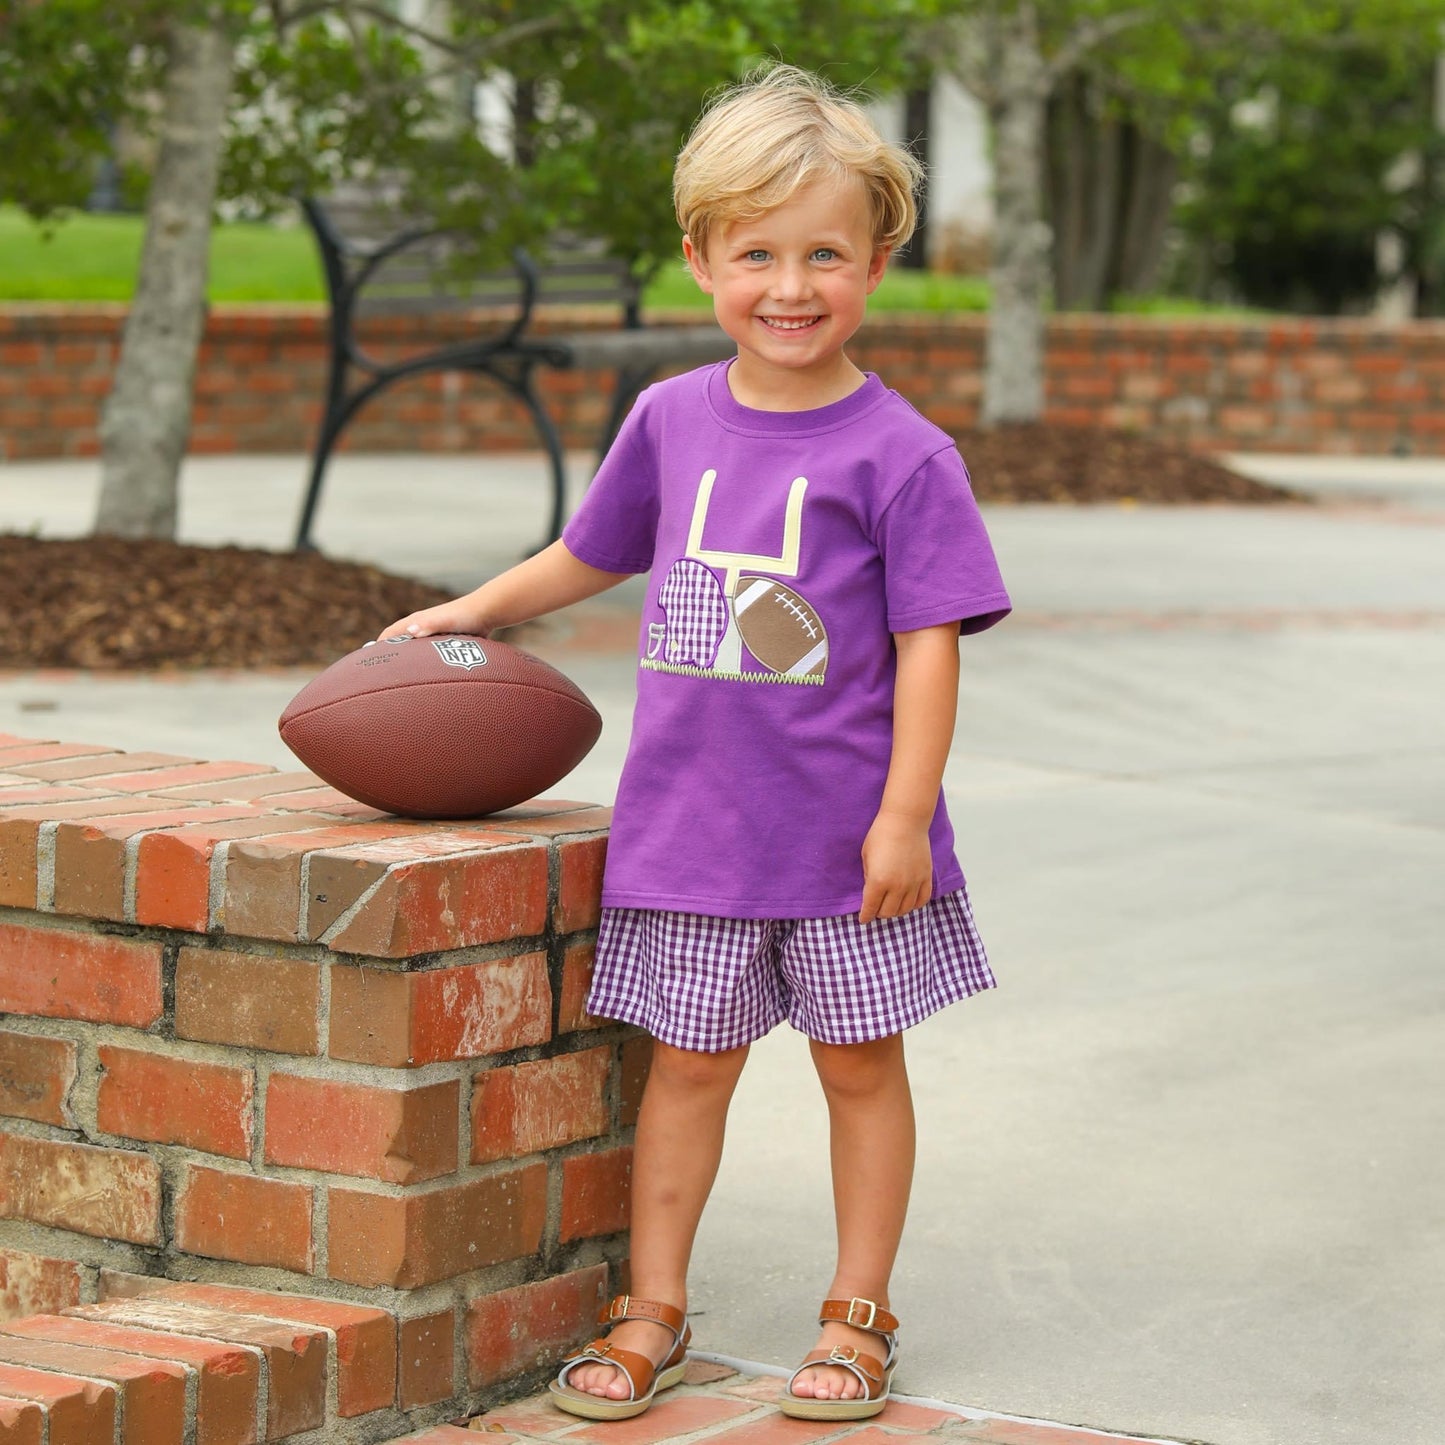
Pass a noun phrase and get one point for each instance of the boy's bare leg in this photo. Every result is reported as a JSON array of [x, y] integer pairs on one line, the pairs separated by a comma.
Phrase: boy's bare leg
[[871, 1134], [675, 1160]]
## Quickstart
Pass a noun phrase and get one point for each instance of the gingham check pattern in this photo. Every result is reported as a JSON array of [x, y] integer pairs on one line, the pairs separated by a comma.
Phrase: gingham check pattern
[[709, 984], [697, 614]]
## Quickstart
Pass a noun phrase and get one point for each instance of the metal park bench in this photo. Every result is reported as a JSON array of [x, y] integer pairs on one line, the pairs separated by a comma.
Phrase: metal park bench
[[373, 267]]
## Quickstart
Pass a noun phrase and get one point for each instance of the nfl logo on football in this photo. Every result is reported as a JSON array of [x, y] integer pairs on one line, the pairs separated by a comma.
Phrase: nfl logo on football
[[461, 652]]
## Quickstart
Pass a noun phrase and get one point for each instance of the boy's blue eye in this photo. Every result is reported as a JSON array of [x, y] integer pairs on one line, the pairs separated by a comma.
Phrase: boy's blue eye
[[757, 256], [825, 253]]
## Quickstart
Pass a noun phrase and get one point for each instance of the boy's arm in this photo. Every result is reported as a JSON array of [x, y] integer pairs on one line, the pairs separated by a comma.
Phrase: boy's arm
[[546, 582], [897, 856]]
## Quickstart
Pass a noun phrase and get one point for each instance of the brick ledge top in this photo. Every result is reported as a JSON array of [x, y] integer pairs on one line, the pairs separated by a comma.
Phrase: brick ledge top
[[246, 849]]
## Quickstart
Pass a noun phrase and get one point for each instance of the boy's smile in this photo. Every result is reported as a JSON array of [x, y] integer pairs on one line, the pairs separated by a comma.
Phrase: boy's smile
[[791, 287]]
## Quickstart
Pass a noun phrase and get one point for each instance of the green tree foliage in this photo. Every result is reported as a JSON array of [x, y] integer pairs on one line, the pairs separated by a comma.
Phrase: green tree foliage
[[1304, 156], [69, 71], [325, 89]]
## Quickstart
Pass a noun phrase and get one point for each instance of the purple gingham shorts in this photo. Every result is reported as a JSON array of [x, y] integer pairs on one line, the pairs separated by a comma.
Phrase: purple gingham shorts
[[709, 984]]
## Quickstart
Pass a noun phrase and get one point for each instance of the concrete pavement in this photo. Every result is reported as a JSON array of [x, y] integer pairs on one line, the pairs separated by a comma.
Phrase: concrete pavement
[[1181, 1174]]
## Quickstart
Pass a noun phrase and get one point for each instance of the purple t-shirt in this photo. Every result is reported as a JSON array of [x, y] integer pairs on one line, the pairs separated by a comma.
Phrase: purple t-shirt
[[785, 549]]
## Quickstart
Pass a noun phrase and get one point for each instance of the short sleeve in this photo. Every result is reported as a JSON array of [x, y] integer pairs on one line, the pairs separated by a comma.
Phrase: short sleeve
[[938, 562], [615, 526]]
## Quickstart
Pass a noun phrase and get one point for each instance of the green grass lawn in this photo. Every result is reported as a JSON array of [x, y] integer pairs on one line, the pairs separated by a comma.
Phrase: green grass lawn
[[94, 258]]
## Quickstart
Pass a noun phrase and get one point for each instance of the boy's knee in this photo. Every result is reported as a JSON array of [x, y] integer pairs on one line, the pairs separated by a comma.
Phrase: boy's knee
[[860, 1070], [692, 1069]]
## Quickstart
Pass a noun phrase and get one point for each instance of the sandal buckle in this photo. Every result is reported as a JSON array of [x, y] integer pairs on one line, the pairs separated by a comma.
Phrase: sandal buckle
[[617, 1310], [855, 1304]]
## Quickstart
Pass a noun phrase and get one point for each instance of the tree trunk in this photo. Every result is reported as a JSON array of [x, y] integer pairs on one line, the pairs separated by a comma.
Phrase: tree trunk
[[918, 136], [1110, 196], [1149, 202], [147, 416], [1013, 388]]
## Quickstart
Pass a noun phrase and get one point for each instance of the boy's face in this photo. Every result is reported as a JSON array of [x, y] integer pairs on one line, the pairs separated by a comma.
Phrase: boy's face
[[791, 286]]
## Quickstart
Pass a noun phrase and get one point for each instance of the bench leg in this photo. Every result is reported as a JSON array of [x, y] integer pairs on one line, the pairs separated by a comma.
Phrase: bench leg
[[339, 411], [552, 444], [330, 432]]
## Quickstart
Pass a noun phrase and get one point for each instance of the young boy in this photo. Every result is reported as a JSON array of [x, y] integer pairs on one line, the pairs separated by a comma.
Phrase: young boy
[[780, 848]]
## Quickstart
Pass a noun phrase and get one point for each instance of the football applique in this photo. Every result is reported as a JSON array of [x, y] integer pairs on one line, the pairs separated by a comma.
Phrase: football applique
[[440, 727], [780, 628]]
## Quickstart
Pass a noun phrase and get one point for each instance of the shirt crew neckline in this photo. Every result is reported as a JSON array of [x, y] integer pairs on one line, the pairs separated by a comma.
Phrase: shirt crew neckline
[[729, 412]]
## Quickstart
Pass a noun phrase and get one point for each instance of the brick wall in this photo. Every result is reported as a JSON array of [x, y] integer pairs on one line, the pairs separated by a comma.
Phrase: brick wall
[[1332, 385], [329, 1069]]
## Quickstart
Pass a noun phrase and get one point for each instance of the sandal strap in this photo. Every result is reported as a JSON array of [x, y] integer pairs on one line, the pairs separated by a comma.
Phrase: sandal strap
[[637, 1369], [862, 1314], [628, 1307], [869, 1371]]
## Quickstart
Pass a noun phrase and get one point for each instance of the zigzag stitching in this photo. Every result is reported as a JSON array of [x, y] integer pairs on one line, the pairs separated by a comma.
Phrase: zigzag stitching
[[685, 670]]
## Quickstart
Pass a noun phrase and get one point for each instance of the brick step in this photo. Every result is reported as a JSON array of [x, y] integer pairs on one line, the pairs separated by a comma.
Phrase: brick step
[[162, 1363]]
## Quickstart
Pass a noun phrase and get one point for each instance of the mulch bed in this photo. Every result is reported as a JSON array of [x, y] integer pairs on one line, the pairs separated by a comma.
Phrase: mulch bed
[[111, 604]]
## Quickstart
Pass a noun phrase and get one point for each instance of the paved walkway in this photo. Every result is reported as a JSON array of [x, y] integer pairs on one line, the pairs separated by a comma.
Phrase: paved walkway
[[1181, 1175], [728, 1402]]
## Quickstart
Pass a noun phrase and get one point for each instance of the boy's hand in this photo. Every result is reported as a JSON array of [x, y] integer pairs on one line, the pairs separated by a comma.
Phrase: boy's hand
[[455, 616], [897, 867]]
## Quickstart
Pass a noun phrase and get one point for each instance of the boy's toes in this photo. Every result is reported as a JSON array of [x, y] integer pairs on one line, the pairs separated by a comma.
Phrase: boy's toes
[[603, 1380], [824, 1383]]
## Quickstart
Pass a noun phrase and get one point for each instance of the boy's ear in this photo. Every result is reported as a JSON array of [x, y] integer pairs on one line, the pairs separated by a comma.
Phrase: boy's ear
[[697, 264], [877, 266]]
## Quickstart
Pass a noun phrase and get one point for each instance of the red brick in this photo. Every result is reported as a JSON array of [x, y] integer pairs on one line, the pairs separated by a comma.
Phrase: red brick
[[245, 790], [579, 892], [398, 1135], [173, 869], [62, 974], [34, 1284], [518, 1330], [23, 752], [193, 774], [676, 1415], [366, 1339], [36, 1073], [227, 1376], [110, 1193], [528, 1107], [248, 1000], [435, 1234], [20, 837], [90, 857], [338, 878], [21, 1422], [245, 1218], [445, 903], [99, 766], [262, 881], [77, 1411], [427, 1368], [572, 1015], [596, 1194], [170, 1100], [294, 1355], [383, 1017], [152, 1392]]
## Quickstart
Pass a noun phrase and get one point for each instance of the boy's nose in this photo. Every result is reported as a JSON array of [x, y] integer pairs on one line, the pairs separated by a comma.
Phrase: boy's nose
[[791, 283]]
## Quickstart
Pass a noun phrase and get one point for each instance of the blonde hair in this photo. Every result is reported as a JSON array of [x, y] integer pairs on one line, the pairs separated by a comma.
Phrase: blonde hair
[[780, 129]]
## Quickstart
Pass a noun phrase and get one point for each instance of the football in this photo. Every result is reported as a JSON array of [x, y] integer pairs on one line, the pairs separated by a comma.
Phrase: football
[[780, 628], [440, 727]]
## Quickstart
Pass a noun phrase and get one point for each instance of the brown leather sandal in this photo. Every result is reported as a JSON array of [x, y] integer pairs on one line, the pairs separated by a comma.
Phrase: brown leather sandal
[[644, 1378], [875, 1375]]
